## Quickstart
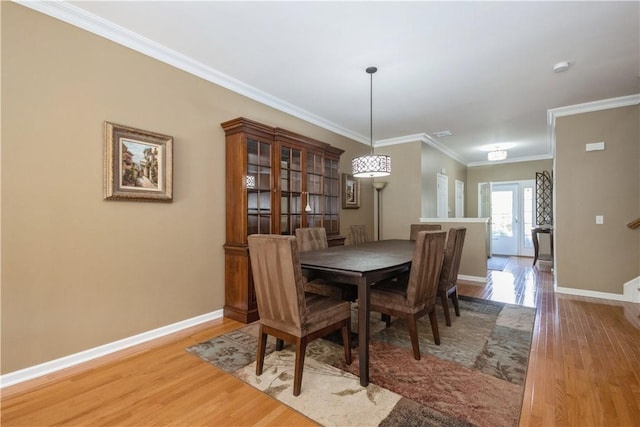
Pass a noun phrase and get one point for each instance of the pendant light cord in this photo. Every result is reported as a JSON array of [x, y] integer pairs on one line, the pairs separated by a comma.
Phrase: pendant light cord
[[371, 70], [371, 112]]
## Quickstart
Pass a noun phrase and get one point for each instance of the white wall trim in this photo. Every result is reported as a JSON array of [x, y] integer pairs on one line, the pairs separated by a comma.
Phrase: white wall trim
[[632, 290], [592, 294], [480, 280], [425, 139], [80, 18], [515, 160], [470, 220], [587, 107], [93, 353]]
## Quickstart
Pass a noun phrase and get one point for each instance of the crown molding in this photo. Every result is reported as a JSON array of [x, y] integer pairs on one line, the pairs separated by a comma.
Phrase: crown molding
[[424, 138], [514, 160], [604, 104], [80, 18], [586, 107]]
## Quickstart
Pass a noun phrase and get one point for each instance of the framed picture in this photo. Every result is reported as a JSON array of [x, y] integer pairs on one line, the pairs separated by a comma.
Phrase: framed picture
[[138, 165], [350, 192]]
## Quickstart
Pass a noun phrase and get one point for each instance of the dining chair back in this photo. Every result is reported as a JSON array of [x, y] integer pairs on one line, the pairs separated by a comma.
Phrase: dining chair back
[[286, 311], [411, 297], [311, 238], [448, 284], [415, 228], [358, 234]]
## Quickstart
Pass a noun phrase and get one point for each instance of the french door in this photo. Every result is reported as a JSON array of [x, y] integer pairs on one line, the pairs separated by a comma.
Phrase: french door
[[510, 206]]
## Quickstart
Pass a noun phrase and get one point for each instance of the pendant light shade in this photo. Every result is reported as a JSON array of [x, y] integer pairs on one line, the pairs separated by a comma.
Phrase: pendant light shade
[[371, 166]]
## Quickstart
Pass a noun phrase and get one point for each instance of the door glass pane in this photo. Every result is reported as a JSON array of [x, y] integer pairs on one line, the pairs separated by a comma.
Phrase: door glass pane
[[265, 225], [296, 182], [284, 225], [252, 224], [264, 204], [502, 213], [296, 160], [252, 151], [265, 154], [528, 216], [252, 202]]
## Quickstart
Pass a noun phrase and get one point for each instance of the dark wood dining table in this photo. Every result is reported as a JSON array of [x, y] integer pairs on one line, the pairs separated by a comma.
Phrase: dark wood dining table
[[360, 265]]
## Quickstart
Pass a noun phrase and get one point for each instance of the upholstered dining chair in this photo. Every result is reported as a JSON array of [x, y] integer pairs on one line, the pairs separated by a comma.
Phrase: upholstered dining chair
[[358, 234], [448, 284], [415, 297], [286, 311], [313, 238], [415, 228]]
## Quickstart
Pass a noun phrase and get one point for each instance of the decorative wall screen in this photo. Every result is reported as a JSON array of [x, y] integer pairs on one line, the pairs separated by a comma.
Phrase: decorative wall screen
[[544, 198]]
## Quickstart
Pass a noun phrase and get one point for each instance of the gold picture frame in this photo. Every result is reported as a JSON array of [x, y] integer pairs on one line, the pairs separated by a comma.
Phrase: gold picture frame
[[350, 192], [138, 164]]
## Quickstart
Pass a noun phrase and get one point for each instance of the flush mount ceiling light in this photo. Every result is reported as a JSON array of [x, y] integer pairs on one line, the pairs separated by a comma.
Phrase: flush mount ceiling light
[[372, 165], [561, 66], [496, 155]]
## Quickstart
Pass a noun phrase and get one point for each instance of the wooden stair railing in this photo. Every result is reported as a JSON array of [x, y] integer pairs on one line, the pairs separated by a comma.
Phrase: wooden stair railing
[[634, 224]]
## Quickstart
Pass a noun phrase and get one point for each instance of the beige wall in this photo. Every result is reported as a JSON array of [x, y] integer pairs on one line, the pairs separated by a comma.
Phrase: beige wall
[[433, 162], [473, 262], [79, 271], [401, 198], [499, 172], [589, 256], [411, 190]]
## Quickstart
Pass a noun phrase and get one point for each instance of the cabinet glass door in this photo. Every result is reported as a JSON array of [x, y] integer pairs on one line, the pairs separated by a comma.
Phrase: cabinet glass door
[[331, 196], [258, 182], [315, 171], [290, 189]]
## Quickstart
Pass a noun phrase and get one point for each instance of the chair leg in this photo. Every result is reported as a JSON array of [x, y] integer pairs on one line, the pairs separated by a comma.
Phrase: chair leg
[[262, 344], [301, 347], [434, 326], [454, 300], [346, 340], [445, 306], [279, 344], [413, 333], [386, 319]]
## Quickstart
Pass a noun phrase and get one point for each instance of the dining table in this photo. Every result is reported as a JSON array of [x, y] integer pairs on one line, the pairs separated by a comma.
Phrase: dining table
[[360, 265]]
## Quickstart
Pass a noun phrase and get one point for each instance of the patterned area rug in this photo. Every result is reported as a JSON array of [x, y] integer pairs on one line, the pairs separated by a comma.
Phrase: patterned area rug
[[474, 378]]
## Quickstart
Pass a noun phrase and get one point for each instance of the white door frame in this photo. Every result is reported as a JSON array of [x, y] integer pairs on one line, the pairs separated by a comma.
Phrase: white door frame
[[442, 198], [525, 247]]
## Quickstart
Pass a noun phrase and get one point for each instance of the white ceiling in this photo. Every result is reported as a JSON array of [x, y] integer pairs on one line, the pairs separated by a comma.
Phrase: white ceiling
[[480, 69]]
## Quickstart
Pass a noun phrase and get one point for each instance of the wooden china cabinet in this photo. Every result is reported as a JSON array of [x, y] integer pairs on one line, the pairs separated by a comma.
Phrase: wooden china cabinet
[[272, 175]]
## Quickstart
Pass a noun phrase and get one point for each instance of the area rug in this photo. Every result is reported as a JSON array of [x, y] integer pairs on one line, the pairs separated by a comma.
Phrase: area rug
[[474, 378], [497, 262]]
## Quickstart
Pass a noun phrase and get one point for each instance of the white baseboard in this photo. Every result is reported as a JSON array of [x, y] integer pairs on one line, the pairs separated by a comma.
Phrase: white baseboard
[[93, 353], [480, 280], [594, 294]]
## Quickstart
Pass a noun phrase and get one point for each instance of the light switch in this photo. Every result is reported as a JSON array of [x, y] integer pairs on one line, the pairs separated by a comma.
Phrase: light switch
[[599, 219]]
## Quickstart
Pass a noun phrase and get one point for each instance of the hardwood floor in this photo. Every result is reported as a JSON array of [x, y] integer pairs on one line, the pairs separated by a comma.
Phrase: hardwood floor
[[583, 371]]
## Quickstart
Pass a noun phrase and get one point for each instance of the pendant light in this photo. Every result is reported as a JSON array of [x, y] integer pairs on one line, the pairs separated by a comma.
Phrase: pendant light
[[372, 165]]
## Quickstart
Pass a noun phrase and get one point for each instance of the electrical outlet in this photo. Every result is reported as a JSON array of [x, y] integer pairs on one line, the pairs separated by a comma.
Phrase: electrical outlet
[[599, 219]]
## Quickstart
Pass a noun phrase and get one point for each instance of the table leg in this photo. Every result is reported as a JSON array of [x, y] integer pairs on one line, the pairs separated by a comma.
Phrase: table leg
[[363, 329]]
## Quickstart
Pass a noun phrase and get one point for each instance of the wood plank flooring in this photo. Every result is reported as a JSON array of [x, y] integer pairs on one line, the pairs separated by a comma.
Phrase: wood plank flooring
[[583, 371]]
